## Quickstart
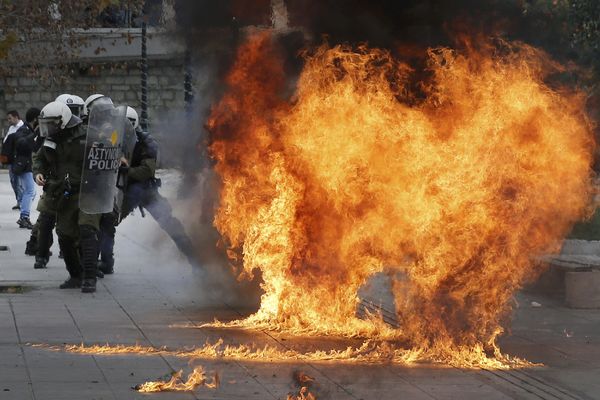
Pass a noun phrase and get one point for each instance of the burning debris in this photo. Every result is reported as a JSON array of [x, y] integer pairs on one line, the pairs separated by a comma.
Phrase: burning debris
[[305, 382], [448, 181], [303, 394], [194, 380]]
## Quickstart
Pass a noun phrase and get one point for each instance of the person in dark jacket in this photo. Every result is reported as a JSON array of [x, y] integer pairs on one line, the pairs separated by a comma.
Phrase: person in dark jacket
[[8, 149], [24, 146]]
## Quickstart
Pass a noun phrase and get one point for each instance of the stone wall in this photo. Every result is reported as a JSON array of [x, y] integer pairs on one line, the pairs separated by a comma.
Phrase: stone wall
[[120, 81]]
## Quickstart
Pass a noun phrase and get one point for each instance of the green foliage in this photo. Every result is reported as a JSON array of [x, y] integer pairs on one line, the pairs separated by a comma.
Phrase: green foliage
[[42, 34], [584, 16], [575, 24]]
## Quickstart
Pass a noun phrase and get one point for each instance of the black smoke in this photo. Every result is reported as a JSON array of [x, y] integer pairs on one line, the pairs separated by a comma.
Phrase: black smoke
[[400, 25]]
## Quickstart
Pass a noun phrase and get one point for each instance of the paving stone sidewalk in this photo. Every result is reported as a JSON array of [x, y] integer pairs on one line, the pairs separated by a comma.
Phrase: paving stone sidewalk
[[156, 299]]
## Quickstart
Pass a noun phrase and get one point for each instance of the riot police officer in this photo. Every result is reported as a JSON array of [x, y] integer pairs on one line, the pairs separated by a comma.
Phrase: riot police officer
[[141, 190], [58, 168], [41, 235]]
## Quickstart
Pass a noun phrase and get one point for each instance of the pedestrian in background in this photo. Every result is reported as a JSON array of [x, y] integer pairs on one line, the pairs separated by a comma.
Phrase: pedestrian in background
[[8, 151], [24, 145]]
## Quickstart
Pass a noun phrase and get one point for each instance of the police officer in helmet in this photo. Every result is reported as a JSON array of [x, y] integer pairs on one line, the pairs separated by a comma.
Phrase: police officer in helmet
[[58, 167], [41, 235]]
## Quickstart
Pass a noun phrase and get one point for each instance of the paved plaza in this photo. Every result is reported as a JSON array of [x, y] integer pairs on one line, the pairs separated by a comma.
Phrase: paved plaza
[[156, 299]]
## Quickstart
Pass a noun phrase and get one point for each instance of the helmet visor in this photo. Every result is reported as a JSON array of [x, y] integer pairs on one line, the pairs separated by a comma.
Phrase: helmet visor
[[49, 126], [75, 109]]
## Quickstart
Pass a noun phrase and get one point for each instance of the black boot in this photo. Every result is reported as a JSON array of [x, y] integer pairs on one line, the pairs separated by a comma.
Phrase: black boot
[[88, 285], [40, 262], [31, 245], [44, 224], [25, 223], [89, 253], [68, 247]]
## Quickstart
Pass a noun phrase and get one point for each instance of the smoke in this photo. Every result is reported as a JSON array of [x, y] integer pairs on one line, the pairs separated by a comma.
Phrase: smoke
[[397, 25], [142, 243]]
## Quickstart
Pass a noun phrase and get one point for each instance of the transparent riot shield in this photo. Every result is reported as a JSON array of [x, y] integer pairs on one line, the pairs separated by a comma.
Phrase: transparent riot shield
[[103, 152]]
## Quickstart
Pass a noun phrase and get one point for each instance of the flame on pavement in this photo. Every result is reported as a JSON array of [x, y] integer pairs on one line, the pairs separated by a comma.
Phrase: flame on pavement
[[368, 352], [194, 380]]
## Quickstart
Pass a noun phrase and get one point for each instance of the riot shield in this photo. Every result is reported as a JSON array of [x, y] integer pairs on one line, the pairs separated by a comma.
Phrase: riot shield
[[103, 152]]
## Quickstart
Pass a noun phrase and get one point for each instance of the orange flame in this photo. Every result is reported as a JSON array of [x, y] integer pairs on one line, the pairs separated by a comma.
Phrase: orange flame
[[303, 394], [304, 381], [176, 384], [451, 196], [369, 352]]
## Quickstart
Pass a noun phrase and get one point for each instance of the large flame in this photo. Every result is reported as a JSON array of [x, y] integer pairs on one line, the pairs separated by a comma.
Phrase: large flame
[[451, 192]]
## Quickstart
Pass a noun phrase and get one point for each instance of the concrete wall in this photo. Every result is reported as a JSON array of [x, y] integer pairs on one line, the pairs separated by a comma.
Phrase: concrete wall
[[120, 81]]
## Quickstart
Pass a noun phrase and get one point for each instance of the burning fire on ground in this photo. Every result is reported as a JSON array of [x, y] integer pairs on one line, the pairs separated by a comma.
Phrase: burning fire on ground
[[304, 381], [450, 189], [303, 394], [194, 380], [369, 352]]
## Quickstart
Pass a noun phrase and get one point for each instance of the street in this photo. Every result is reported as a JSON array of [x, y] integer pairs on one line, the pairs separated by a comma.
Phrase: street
[[155, 299]]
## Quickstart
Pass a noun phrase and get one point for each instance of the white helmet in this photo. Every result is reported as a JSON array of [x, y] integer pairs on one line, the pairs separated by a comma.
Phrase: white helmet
[[63, 98], [75, 103], [78, 100], [94, 99], [132, 116], [54, 117]]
